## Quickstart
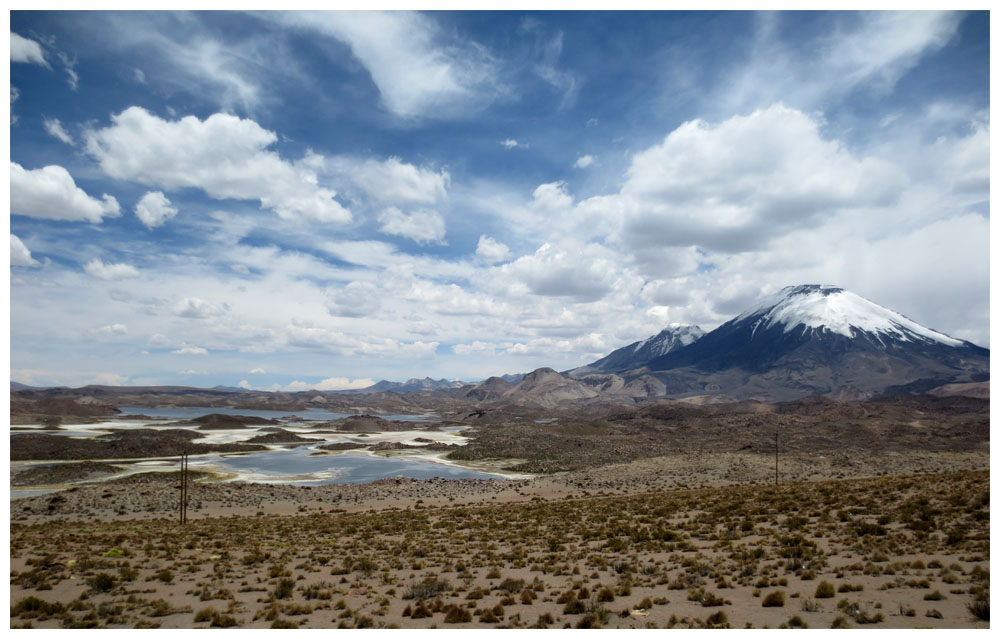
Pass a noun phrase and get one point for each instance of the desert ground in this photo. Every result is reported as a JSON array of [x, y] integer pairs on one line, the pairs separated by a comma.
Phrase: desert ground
[[664, 517]]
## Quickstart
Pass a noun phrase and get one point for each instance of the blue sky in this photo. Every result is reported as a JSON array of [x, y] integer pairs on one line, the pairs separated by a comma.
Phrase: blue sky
[[297, 200]]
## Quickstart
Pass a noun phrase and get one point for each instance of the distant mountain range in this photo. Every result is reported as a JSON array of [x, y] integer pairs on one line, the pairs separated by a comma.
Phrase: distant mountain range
[[804, 340], [411, 386]]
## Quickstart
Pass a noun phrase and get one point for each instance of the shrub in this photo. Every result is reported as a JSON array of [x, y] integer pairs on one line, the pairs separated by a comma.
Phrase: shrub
[[796, 622], [284, 589], [205, 614], [223, 621], [102, 582], [165, 576], [824, 590], [573, 607], [933, 596], [457, 614], [594, 619], [774, 599], [430, 587], [717, 620], [840, 622], [710, 600], [980, 607], [513, 586], [33, 607]]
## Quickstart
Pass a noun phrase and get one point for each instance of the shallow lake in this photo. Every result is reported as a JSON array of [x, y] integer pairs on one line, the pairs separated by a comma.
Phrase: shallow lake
[[295, 465]]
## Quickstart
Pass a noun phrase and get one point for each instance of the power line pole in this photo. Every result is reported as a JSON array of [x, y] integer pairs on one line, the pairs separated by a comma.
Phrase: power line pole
[[775, 458], [184, 473]]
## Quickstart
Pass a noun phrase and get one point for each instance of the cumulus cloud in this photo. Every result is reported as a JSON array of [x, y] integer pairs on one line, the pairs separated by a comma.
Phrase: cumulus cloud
[[257, 371], [56, 130], [551, 198], [421, 226], [357, 299], [584, 161], [585, 273], [396, 182], [110, 272], [510, 143], [225, 156], [110, 379], [491, 251], [195, 308], [154, 209], [25, 50], [328, 384], [19, 253], [50, 193], [736, 185], [190, 350], [420, 70]]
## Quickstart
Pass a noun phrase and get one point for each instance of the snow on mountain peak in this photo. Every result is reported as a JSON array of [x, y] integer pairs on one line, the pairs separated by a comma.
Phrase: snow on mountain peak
[[672, 337], [833, 309]]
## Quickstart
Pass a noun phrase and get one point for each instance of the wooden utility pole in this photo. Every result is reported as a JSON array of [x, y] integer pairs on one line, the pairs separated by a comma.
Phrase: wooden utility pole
[[775, 458], [184, 472]]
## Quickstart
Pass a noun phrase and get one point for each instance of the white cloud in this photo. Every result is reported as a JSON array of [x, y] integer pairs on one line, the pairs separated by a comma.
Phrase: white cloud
[[50, 193], [56, 130], [19, 253], [738, 184], [421, 226], [72, 78], [110, 379], [396, 182], [329, 384], [476, 348], [190, 350], [244, 384], [585, 273], [195, 308], [24, 50], [110, 272], [223, 155], [257, 371], [420, 70], [491, 251], [510, 143], [357, 299], [584, 161], [154, 209], [886, 44], [863, 50], [110, 330]]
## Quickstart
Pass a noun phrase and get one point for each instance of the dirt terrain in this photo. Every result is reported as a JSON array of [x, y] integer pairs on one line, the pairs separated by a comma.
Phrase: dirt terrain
[[816, 426], [901, 552], [121, 444]]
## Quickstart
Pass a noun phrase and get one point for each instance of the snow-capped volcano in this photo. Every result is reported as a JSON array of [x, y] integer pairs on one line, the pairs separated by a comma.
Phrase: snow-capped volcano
[[817, 340], [828, 308], [637, 354]]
